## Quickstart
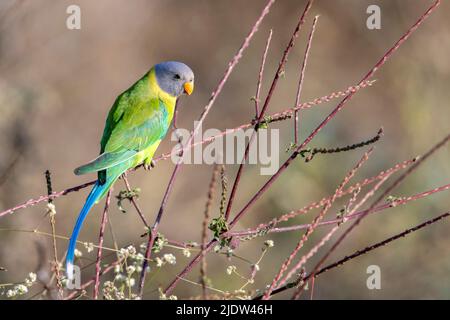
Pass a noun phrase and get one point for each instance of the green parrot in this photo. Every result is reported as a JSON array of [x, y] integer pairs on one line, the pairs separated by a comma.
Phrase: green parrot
[[136, 124]]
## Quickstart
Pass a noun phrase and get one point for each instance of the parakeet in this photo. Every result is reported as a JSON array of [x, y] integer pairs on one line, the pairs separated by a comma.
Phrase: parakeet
[[135, 126]]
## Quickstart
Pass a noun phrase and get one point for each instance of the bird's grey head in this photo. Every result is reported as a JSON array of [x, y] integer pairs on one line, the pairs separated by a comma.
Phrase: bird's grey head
[[175, 78]]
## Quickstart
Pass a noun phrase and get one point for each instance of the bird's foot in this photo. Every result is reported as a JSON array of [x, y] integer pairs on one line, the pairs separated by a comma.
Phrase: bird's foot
[[149, 165]]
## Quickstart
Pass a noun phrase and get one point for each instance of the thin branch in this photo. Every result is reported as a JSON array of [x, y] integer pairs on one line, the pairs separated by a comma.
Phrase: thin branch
[[51, 212], [260, 75], [207, 214], [302, 76], [100, 244], [314, 151], [134, 202]]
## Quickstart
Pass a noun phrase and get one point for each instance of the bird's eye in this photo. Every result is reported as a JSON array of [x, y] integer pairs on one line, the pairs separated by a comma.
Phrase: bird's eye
[[177, 77]]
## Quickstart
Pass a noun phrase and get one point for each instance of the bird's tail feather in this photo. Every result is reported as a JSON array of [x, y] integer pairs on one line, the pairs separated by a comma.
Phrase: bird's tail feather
[[97, 192]]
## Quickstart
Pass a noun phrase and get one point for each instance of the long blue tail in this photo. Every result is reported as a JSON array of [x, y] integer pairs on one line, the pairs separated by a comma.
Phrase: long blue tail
[[96, 194]]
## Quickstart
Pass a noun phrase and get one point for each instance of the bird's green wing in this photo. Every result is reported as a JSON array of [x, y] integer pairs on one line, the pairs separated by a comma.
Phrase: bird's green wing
[[131, 127], [140, 125], [105, 161]]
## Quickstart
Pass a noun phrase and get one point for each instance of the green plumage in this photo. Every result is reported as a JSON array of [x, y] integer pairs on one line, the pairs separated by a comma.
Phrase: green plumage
[[136, 124], [139, 119]]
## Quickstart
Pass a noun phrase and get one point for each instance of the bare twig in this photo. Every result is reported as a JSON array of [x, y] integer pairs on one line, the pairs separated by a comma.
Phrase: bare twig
[[100, 244], [51, 212], [314, 151], [134, 202], [207, 213], [302, 76], [260, 75]]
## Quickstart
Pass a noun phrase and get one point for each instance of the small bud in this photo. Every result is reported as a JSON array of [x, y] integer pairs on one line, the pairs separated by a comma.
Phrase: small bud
[[231, 269], [186, 253], [170, 258], [269, 243], [78, 253]]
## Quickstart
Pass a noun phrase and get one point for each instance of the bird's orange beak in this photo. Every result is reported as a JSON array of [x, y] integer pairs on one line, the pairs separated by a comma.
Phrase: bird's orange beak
[[188, 87]]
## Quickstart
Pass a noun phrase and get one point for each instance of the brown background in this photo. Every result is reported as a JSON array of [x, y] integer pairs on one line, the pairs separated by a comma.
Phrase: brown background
[[57, 85]]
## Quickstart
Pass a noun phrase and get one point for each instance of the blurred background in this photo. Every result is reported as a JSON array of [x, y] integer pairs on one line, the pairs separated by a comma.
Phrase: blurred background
[[57, 85]]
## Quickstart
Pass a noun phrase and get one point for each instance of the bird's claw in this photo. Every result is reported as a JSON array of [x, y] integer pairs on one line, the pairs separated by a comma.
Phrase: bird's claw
[[149, 166]]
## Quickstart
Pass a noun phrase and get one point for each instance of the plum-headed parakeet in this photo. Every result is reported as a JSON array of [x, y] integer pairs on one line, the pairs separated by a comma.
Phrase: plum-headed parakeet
[[136, 124]]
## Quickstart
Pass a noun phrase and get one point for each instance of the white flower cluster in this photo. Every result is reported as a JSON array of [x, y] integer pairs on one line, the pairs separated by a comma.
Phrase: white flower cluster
[[128, 271], [51, 209], [22, 288], [186, 252], [128, 252], [111, 292], [166, 258], [78, 253], [89, 246], [133, 262], [269, 243], [231, 269], [163, 296]]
